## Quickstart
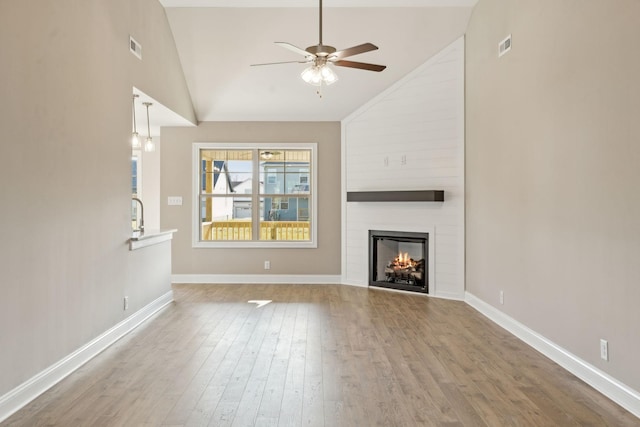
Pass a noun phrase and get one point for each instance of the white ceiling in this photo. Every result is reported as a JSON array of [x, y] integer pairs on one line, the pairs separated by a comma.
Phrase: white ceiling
[[159, 115], [217, 45]]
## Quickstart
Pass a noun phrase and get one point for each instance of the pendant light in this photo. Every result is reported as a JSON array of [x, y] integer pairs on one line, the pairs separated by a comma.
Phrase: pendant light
[[135, 138], [149, 145]]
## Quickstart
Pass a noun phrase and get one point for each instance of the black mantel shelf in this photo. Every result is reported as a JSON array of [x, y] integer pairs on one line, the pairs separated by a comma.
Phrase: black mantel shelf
[[396, 196]]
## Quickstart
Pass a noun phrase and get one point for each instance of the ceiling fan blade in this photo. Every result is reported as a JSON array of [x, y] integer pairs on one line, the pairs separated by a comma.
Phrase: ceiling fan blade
[[282, 62], [360, 65], [355, 50], [295, 49]]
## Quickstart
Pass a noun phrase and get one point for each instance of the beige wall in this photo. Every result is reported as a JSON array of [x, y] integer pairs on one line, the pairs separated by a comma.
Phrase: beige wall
[[553, 167], [66, 79], [176, 165]]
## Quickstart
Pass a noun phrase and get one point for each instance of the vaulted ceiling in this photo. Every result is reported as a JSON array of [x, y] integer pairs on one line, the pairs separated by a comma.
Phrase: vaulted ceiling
[[217, 45]]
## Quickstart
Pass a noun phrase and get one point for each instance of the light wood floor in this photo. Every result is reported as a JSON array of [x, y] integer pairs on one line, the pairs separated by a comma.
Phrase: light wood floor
[[319, 356]]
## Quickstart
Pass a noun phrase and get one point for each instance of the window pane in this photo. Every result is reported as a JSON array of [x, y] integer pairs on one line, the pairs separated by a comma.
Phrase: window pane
[[303, 209], [134, 176], [285, 218], [285, 172], [272, 155], [226, 171], [273, 179], [225, 218]]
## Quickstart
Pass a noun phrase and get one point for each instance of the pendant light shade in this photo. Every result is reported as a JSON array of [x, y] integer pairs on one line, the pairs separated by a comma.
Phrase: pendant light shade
[[149, 145], [135, 138]]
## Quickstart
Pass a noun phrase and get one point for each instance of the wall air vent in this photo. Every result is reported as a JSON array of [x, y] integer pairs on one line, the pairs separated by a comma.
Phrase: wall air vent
[[135, 47], [504, 46]]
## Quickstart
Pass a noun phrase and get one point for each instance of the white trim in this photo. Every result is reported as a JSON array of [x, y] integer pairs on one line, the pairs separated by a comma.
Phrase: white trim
[[15, 399], [620, 393], [320, 279], [450, 295], [343, 201], [356, 284]]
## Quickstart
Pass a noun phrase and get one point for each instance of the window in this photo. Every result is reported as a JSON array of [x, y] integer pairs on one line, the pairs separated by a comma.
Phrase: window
[[136, 187], [254, 195]]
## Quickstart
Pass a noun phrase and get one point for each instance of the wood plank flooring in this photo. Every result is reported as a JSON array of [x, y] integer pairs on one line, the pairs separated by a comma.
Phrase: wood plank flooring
[[319, 355]]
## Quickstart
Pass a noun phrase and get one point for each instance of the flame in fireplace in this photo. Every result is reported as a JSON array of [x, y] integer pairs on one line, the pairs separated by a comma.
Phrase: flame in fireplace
[[403, 260]]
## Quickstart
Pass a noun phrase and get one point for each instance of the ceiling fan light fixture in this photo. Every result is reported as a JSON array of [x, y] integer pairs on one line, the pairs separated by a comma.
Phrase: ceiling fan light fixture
[[328, 75], [311, 75], [316, 75]]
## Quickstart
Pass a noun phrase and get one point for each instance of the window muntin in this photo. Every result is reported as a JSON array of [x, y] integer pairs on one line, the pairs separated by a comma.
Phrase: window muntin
[[236, 210]]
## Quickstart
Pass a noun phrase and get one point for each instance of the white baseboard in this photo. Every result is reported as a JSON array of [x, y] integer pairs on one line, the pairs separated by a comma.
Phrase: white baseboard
[[604, 383], [345, 281], [456, 296], [34, 387], [320, 279]]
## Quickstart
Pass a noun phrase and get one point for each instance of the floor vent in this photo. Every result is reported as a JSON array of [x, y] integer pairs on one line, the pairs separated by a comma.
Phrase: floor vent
[[135, 47], [504, 46]]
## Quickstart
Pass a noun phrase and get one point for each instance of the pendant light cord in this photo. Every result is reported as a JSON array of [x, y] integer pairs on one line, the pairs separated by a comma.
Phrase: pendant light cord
[[148, 104], [135, 128]]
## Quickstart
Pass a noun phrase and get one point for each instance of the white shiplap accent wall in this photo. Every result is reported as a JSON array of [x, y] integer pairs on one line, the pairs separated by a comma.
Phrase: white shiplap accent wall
[[420, 119]]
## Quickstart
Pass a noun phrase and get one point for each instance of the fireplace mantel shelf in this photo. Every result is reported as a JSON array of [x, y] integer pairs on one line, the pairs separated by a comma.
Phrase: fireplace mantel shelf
[[396, 196]]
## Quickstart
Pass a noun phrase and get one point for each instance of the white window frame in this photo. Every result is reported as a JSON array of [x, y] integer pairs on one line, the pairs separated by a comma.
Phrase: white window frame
[[312, 243]]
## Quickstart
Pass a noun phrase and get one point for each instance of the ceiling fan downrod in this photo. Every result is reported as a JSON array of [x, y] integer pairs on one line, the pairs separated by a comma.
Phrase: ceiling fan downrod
[[320, 26]]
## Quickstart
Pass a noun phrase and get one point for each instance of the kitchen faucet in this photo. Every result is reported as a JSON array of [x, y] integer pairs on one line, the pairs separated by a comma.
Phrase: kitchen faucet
[[141, 227]]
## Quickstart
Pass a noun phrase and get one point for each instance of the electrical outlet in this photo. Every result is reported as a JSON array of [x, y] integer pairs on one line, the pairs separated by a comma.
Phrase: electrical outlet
[[267, 265], [501, 297], [126, 303], [403, 159], [604, 350], [386, 161]]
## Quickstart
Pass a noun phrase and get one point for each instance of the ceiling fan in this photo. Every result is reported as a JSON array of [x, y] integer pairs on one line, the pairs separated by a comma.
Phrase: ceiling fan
[[320, 56]]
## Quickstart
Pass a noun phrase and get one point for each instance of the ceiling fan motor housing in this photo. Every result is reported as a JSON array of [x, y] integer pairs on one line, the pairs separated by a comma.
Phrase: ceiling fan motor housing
[[321, 50]]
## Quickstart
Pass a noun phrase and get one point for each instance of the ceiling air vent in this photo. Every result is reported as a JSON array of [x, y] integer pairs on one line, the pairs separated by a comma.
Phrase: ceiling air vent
[[135, 47], [504, 46]]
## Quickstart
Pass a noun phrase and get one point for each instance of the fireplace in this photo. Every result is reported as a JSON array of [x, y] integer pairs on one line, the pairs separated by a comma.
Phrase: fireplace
[[399, 260]]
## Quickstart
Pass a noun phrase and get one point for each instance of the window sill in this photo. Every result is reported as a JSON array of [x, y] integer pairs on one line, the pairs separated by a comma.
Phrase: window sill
[[237, 244]]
